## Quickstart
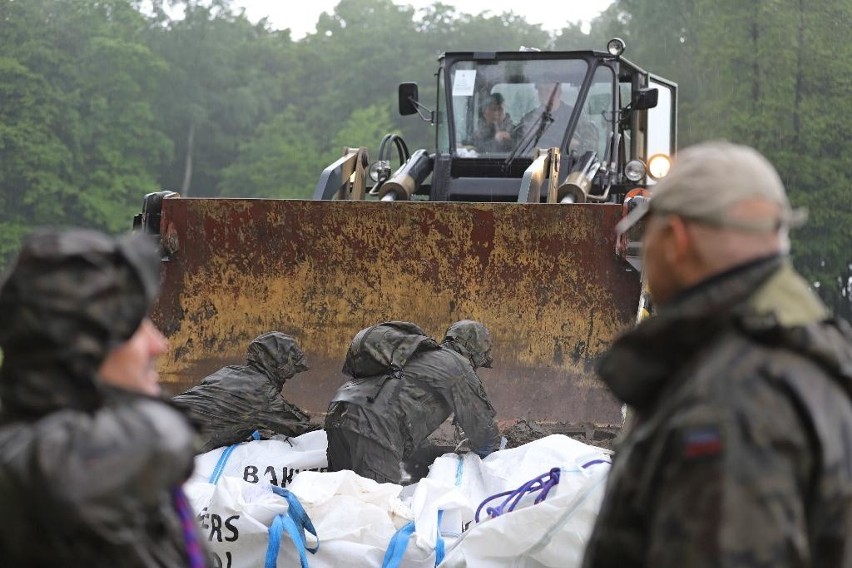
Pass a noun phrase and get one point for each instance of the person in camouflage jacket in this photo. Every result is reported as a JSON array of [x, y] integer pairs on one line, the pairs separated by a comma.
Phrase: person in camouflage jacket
[[91, 457], [740, 450], [404, 385], [235, 401]]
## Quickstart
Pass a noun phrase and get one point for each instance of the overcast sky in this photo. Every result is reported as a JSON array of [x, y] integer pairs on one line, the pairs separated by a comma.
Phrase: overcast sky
[[302, 18]]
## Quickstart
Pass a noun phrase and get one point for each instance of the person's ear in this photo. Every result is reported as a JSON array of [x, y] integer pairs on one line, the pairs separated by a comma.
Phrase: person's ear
[[681, 240]]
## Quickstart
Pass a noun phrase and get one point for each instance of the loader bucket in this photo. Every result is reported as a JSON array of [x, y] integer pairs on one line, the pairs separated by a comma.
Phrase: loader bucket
[[544, 279]]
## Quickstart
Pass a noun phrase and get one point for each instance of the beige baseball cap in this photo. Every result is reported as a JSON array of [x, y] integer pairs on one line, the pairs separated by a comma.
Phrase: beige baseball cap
[[707, 178]]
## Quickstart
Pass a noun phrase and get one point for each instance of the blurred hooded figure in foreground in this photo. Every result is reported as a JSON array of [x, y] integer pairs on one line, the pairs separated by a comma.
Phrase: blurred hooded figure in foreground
[[91, 458], [236, 400], [404, 386]]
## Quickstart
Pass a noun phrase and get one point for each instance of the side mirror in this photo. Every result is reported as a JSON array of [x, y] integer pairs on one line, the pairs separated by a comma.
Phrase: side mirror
[[644, 99], [407, 98]]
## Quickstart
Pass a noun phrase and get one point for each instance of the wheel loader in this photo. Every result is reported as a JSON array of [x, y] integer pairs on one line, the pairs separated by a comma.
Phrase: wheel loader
[[519, 236]]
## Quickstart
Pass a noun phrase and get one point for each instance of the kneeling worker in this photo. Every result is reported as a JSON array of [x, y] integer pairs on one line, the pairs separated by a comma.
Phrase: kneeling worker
[[404, 385], [236, 400]]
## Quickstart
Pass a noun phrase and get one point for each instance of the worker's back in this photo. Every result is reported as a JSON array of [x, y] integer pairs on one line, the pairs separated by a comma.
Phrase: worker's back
[[403, 386]]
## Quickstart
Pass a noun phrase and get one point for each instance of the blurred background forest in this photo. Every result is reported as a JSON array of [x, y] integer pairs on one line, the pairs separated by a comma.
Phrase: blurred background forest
[[102, 101]]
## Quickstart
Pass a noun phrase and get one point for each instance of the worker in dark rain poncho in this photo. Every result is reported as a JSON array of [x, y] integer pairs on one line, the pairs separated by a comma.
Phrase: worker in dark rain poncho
[[92, 458], [235, 401], [404, 385]]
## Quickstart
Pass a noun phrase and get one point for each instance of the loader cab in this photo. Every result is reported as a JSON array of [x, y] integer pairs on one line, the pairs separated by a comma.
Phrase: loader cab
[[526, 127], [539, 100], [589, 105]]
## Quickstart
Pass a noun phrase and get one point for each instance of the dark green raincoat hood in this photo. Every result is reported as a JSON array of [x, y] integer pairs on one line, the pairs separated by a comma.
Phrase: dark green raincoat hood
[[67, 300], [277, 355]]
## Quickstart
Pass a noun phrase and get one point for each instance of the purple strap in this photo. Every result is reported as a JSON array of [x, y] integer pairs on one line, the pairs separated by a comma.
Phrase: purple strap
[[543, 484], [190, 534]]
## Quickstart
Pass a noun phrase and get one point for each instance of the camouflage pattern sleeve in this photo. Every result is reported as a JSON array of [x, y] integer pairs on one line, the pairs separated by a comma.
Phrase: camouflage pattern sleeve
[[732, 484]]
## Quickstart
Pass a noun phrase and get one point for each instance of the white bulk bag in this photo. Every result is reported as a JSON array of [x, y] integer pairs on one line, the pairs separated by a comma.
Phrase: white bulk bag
[[355, 518], [275, 461], [551, 533], [235, 518]]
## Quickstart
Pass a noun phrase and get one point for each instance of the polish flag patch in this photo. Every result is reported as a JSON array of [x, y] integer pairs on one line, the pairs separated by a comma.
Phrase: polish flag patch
[[702, 442]]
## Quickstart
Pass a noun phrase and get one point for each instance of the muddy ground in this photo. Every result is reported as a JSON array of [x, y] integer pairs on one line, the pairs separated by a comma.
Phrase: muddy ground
[[522, 432], [448, 438]]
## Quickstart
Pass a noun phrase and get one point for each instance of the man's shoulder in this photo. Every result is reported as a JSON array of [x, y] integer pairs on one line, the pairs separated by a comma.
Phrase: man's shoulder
[[443, 358], [440, 354], [816, 366], [230, 373], [531, 115], [811, 353], [734, 360], [455, 356], [748, 377]]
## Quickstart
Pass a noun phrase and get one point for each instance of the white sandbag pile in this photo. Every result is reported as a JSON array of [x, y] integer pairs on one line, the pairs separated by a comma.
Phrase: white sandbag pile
[[552, 532], [250, 521]]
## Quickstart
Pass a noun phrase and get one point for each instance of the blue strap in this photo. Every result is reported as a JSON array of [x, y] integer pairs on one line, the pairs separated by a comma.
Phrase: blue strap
[[220, 465], [399, 543], [397, 546], [296, 512], [223, 459], [439, 543], [279, 524], [459, 471], [294, 523], [543, 484]]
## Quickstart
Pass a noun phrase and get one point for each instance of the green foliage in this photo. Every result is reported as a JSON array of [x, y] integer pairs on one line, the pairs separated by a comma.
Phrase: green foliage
[[35, 162], [283, 161], [77, 143], [11, 236], [225, 76], [364, 127], [280, 161], [357, 58]]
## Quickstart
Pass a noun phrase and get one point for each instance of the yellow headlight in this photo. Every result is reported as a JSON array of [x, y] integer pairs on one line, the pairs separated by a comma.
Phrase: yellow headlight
[[659, 166]]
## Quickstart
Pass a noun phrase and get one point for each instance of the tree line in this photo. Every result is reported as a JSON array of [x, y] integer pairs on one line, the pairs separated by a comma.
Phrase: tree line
[[102, 101]]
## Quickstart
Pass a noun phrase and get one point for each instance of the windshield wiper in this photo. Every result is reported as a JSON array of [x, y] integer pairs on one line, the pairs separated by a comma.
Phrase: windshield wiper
[[526, 140], [538, 127]]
